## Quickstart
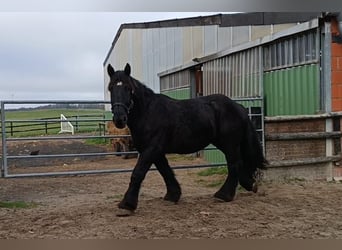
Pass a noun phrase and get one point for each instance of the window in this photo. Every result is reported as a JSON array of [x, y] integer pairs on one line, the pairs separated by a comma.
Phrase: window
[[291, 51]]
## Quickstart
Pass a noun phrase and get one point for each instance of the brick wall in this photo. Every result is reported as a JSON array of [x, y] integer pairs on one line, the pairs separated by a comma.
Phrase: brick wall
[[336, 76], [281, 152], [294, 126], [320, 171], [294, 149]]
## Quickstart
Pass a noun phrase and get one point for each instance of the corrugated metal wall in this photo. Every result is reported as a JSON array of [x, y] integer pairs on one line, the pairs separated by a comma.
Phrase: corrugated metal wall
[[236, 75], [176, 85], [292, 77], [214, 155], [151, 51], [292, 91], [180, 94]]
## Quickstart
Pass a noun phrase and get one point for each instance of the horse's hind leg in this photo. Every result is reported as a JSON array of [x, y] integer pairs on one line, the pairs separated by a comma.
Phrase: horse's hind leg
[[247, 180], [228, 189], [173, 188]]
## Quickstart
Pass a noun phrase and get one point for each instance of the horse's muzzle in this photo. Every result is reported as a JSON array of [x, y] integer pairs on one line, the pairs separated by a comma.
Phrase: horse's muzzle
[[120, 122]]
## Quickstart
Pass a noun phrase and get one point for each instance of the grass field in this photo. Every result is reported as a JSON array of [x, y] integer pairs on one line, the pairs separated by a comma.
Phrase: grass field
[[16, 125]]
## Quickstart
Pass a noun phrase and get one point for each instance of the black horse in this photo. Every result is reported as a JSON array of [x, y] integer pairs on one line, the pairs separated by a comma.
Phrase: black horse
[[161, 125]]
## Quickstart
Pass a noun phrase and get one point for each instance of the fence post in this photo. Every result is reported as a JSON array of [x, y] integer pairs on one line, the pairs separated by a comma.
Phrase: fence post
[[4, 145], [12, 132], [77, 128], [46, 127]]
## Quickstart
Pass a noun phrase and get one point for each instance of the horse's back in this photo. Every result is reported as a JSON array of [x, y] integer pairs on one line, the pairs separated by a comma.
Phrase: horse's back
[[189, 125]]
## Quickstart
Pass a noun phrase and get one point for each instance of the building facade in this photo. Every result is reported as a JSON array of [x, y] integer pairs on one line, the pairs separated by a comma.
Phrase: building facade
[[285, 66]]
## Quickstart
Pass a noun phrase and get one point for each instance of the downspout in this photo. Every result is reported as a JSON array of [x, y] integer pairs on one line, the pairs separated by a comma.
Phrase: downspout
[[326, 39]]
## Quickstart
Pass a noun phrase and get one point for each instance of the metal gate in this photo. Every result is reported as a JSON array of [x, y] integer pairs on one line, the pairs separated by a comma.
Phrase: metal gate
[[6, 138], [256, 115]]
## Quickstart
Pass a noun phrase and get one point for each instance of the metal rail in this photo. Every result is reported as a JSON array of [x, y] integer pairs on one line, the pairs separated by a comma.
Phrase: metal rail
[[106, 171], [6, 157]]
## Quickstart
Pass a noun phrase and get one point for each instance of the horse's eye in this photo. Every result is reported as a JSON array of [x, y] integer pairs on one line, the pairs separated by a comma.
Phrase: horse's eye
[[127, 88]]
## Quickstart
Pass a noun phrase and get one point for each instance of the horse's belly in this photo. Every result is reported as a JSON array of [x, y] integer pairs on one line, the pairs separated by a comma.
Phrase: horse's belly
[[181, 146]]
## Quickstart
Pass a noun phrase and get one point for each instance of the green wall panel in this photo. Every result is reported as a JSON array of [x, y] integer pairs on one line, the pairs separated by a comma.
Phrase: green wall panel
[[179, 94], [251, 103], [292, 91], [214, 155]]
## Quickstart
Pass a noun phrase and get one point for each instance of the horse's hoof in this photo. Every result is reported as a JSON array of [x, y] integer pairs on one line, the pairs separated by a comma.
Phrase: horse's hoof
[[125, 205], [173, 197], [255, 187], [124, 212], [223, 197]]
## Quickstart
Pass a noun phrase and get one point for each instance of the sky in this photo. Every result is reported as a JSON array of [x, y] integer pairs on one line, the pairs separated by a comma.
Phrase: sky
[[54, 50], [59, 55]]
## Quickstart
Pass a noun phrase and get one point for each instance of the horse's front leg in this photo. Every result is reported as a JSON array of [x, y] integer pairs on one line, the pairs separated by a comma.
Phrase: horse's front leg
[[172, 186], [130, 200]]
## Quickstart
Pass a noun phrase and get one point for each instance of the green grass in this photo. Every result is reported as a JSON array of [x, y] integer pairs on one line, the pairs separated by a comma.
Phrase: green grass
[[52, 128], [178, 157], [17, 204], [213, 171], [97, 141], [219, 172]]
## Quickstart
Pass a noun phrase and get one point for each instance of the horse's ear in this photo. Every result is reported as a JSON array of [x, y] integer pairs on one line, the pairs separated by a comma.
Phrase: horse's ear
[[110, 70], [127, 69]]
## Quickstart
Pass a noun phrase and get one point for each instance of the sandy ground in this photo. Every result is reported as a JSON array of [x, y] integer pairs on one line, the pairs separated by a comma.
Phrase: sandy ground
[[85, 207]]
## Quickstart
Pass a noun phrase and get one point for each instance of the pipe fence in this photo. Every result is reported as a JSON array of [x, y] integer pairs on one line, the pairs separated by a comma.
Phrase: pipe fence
[[7, 138]]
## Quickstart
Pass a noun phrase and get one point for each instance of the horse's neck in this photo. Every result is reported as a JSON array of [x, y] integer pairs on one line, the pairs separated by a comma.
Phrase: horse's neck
[[142, 100], [143, 95]]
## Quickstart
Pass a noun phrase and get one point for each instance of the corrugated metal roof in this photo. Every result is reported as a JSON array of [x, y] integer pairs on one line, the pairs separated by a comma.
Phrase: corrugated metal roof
[[222, 20]]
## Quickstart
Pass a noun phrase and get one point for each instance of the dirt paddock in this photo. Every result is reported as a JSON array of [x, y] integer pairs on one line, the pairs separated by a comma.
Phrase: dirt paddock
[[85, 207]]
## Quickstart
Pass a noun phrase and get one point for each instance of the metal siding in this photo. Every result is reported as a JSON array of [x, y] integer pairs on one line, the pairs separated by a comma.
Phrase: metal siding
[[187, 45], [292, 91], [178, 40], [250, 103], [156, 59], [260, 31], [163, 49], [174, 84], [150, 58], [224, 38], [205, 39], [137, 58], [214, 155], [149, 63], [180, 94], [210, 39], [170, 47], [197, 41], [144, 54], [279, 27], [121, 51], [236, 75], [240, 35]]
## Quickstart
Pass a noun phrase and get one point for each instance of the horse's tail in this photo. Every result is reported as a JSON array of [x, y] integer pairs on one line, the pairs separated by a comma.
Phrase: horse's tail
[[252, 153]]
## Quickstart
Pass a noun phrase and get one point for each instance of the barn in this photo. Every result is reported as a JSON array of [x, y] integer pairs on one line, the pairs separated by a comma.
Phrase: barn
[[285, 68]]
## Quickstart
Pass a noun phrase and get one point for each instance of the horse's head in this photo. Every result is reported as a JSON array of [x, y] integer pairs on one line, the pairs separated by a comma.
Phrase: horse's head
[[121, 87]]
